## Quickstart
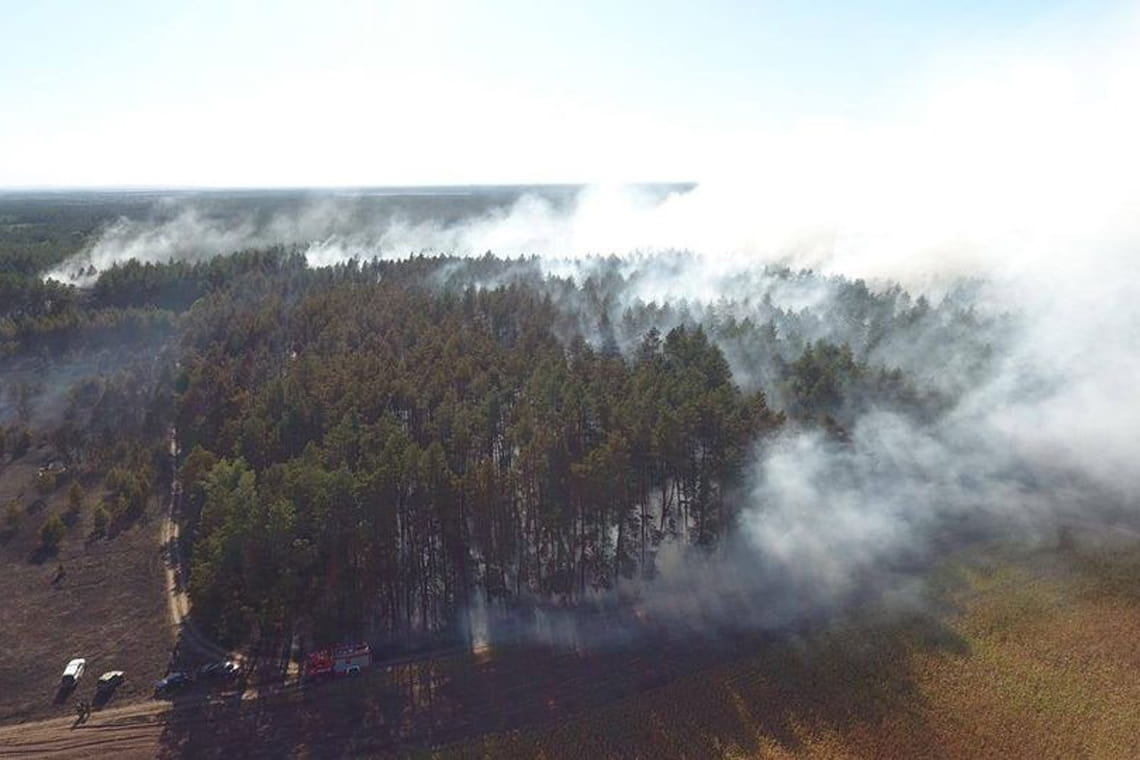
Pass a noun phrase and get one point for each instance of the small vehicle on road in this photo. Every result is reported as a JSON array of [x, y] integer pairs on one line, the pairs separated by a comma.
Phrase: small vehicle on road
[[223, 670], [171, 683], [109, 681], [72, 672]]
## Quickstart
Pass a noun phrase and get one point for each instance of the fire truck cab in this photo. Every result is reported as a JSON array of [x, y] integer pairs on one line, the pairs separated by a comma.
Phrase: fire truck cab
[[344, 659]]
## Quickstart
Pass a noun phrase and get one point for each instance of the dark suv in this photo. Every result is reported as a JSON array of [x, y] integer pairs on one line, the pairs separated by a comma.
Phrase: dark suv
[[226, 670], [171, 683]]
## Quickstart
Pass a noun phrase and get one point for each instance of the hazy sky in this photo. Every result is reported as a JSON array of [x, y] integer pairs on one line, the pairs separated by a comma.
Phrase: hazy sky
[[374, 93]]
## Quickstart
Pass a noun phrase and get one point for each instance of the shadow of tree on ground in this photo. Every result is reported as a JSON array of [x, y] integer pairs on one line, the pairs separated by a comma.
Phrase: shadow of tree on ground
[[772, 685]]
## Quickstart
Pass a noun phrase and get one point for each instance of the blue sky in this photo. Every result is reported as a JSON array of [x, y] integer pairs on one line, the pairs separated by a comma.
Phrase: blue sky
[[373, 93]]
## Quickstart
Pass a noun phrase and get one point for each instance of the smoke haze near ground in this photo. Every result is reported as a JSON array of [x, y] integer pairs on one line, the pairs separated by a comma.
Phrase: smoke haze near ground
[[1025, 177]]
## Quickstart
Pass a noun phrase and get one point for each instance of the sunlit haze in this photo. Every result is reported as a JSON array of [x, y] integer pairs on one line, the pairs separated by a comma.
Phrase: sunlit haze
[[352, 93]]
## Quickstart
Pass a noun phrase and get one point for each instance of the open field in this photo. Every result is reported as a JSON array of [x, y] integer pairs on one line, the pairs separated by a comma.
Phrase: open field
[[108, 606], [1029, 656], [1040, 660]]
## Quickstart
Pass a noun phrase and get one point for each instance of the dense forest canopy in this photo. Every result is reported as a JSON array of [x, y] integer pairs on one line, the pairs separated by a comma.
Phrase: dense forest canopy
[[373, 446], [415, 446], [368, 447]]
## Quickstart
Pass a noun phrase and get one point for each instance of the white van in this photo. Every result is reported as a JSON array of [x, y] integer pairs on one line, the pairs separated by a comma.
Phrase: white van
[[73, 671]]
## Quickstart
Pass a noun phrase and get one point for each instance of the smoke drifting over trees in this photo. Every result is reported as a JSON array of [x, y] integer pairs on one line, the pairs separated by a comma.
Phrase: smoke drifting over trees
[[927, 329], [875, 425]]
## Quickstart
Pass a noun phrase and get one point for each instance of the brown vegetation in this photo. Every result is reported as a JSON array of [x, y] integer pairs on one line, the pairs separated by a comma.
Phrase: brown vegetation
[[1033, 657], [1038, 662], [95, 597]]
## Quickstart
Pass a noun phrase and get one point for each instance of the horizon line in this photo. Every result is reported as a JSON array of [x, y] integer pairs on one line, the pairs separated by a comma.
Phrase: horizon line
[[316, 187]]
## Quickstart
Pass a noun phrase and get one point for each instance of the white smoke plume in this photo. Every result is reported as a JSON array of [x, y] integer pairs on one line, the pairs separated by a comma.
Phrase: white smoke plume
[[1028, 179], [1023, 175]]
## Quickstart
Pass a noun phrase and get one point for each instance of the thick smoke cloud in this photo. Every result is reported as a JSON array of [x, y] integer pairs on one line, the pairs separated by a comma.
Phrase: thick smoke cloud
[[1028, 181], [1024, 180]]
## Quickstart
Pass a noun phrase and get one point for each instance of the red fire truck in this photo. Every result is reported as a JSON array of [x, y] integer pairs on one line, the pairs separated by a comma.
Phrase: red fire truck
[[343, 659]]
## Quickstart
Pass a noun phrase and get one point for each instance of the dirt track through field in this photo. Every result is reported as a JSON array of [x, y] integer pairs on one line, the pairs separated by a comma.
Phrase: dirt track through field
[[126, 732], [132, 730], [177, 595]]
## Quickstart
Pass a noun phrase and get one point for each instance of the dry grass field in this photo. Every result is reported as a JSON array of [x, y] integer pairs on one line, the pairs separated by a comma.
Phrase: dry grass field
[[109, 605], [1037, 658]]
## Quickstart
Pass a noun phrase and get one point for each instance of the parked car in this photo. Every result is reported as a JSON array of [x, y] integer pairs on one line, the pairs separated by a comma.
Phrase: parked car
[[73, 671], [221, 670], [172, 682], [109, 681]]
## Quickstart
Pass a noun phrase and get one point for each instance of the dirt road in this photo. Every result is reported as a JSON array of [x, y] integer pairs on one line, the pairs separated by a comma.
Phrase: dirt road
[[177, 595], [133, 731]]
